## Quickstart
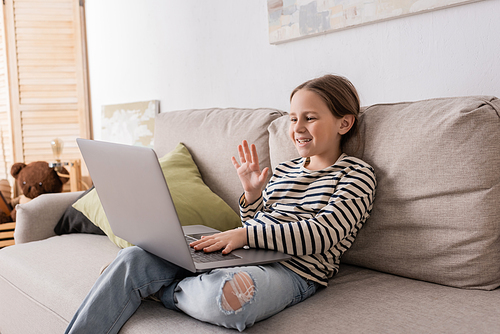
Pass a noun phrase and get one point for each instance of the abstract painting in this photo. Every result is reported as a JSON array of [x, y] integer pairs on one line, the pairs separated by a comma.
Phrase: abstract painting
[[130, 123], [295, 19]]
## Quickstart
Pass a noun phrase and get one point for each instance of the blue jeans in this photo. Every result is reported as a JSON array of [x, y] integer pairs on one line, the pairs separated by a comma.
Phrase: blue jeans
[[253, 293]]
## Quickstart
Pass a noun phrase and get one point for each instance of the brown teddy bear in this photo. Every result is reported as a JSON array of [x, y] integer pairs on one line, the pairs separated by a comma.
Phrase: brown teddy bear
[[35, 179]]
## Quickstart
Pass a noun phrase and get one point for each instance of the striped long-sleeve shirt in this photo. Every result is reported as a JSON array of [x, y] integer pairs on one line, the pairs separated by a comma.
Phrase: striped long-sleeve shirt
[[312, 215]]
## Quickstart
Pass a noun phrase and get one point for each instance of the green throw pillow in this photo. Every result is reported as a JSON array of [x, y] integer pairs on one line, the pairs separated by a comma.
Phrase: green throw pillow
[[195, 203], [91, 207]]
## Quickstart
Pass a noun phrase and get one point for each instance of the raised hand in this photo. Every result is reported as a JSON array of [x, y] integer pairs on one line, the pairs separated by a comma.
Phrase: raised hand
[[251, 177]]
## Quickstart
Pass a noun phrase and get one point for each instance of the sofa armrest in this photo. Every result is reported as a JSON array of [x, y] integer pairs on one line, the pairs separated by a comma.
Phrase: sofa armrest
[[36, 219]]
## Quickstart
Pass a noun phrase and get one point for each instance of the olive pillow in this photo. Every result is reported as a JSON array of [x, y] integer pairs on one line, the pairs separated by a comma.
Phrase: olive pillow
[[74, 221], [195, 203]]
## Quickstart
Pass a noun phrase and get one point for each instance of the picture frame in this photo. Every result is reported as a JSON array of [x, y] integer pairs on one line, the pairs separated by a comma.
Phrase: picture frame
[[130, 123], [296, 19]]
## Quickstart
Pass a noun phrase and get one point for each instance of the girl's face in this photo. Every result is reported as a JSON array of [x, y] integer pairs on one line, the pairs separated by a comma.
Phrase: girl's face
[[315, 132]]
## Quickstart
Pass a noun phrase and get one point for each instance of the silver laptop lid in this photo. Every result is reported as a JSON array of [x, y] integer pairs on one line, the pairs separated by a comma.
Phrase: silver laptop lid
[[150, 220]]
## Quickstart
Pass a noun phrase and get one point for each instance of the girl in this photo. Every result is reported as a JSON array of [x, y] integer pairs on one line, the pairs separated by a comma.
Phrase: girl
[[312, 208]]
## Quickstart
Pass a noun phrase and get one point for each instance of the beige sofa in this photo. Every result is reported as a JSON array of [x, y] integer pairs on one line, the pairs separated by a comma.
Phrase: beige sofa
[[427, 261]]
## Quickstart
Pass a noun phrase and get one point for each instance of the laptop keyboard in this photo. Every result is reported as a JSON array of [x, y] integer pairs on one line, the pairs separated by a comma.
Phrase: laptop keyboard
[[202, 257]]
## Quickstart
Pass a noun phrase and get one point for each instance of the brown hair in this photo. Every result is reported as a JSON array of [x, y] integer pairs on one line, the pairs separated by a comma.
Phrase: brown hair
[[340, 96]]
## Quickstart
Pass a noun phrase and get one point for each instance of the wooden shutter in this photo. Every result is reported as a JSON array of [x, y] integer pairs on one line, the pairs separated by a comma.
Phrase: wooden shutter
[[6, 153], [48, 80]]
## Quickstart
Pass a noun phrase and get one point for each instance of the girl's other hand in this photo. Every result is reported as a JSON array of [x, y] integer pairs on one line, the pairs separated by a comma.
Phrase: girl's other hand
[[251, 177], [227, 241]]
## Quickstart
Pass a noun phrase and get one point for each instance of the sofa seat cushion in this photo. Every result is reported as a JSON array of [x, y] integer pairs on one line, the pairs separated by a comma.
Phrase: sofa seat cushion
[[357, 300], [48, 280], [367, 301], [54, 275]]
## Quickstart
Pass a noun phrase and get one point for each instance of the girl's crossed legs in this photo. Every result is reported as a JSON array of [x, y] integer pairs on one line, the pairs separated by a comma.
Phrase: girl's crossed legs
[[230, 297]]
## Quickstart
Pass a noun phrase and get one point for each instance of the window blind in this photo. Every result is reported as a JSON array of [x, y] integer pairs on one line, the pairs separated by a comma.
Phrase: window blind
[[48, 83]]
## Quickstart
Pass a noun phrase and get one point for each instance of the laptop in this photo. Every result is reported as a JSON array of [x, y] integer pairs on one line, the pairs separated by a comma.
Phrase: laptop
[[137, 202]]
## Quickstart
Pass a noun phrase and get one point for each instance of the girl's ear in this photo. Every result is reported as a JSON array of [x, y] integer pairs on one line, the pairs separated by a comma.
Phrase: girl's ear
[[346, 124]]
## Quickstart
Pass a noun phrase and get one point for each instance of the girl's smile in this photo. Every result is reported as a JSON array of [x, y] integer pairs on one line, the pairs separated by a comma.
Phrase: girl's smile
[[303, 141]]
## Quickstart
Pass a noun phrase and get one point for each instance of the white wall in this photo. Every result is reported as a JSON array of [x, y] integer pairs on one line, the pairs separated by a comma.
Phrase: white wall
[[215, 53]]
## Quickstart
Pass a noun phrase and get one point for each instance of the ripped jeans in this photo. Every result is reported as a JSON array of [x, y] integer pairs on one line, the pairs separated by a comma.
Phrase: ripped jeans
[[230, 297]]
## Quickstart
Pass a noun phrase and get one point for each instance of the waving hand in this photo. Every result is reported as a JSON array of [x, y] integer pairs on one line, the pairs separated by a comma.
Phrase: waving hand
[[251, 177]]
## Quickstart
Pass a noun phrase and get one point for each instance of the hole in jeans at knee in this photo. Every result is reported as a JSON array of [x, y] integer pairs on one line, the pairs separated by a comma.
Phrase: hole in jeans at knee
[[237, 291]]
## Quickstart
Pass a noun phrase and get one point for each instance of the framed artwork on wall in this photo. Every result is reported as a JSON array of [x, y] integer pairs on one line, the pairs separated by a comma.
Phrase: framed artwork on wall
[[295, 19], [130, 123]]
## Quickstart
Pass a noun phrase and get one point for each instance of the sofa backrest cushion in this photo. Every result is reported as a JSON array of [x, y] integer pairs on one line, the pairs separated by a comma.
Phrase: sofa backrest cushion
[[281, 147], [212, 137], [436, 215]]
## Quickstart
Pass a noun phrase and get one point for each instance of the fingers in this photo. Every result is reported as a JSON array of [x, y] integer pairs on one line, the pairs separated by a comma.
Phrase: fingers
[[214, 247], [214, 243], [255, 157], [241, 153], [227, 241], [263, 175], [228, 249], [235, 163], [249, 165], [207, 244], [248, 154]]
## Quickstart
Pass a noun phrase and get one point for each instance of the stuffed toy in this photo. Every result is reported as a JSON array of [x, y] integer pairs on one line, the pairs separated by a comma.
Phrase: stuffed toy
[[35, 179]]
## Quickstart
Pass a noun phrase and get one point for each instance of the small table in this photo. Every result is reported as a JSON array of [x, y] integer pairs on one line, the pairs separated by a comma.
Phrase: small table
[[75, 173], [7, 234]]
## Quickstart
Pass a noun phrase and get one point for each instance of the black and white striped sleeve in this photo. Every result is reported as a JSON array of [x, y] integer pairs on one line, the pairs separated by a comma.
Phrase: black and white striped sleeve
[[347, 209]]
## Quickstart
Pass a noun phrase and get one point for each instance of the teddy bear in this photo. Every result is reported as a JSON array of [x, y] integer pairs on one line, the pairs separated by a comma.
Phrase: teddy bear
[[35, 179]]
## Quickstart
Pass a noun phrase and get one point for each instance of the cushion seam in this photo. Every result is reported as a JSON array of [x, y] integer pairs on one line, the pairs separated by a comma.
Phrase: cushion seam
[[33, 299]]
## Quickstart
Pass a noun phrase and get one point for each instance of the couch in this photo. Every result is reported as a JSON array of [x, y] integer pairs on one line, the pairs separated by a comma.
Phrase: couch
[[427, 260]]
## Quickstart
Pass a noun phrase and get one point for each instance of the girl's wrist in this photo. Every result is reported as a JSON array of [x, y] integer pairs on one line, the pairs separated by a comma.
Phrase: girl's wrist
[[244, 237], [251, 198]]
